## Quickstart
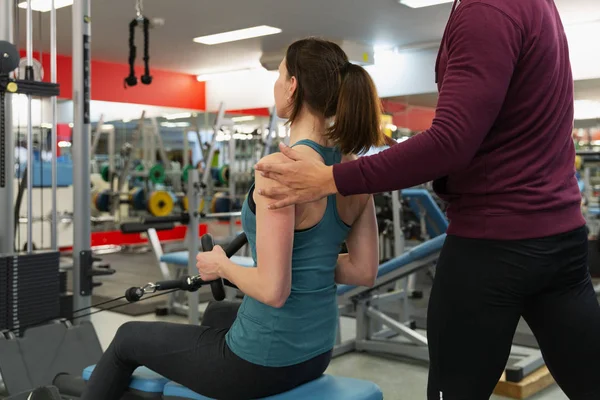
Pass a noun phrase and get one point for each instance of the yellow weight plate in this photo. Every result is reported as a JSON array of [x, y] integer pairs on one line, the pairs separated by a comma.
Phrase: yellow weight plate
[[160, 203]]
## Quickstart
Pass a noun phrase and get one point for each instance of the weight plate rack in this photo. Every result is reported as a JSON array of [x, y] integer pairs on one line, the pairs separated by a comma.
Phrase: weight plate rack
[[33, 295]]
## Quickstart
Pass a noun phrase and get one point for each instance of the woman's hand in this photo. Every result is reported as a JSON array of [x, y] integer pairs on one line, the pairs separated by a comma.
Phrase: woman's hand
[[210, 263], [301, 181]]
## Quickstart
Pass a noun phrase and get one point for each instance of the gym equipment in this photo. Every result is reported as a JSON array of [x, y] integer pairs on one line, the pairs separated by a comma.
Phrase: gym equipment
[[43, 393], [101, 200], [157, 174], [137, 199], [10, 58], [176, 303], [160, 203], [223, 176], [46, 351], [424, 207], [326, 387], [144, 383], [105, 173], [31, 292], [57, 352], [146, 79], [221, 203], [379, 318]]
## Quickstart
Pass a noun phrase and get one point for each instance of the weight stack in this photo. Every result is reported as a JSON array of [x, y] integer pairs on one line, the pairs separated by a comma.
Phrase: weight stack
[[32, 294]]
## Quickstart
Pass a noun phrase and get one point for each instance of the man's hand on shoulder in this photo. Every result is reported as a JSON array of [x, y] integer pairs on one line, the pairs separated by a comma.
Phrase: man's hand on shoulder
[[300, 177]]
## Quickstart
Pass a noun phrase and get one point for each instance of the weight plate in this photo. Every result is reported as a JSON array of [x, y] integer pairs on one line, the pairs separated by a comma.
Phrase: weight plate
[[160, 203], [105, 173], [157, 174]]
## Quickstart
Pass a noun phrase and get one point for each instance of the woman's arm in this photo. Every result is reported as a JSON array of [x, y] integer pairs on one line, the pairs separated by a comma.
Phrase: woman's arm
[[359, 266], [271, 281]]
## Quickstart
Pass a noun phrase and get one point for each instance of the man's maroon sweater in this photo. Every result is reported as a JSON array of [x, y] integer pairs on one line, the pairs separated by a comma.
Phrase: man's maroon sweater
[[500, 149]]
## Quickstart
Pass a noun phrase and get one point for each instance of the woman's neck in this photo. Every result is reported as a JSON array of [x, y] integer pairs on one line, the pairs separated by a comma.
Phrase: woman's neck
[[308, 126]]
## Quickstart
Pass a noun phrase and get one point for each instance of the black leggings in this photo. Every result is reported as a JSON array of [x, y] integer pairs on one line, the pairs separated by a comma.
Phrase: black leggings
[[483, 287], [196, 357]]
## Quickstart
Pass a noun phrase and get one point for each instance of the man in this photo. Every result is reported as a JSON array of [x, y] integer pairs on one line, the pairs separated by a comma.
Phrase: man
[[500, 153]]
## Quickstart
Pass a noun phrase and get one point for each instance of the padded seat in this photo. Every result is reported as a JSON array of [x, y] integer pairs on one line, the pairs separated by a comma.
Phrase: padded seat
[[325, 388], [180, 258], [143, 380], [416, 253]]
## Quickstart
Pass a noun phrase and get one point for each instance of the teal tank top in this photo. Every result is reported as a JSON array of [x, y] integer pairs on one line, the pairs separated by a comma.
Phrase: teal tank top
[[306, 325]]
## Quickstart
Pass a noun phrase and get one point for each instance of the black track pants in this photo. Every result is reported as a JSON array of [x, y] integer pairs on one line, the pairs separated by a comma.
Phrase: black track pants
[[196, 357], [483, 287]]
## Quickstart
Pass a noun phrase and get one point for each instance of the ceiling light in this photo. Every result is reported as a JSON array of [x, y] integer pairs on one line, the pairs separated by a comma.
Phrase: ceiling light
[[178, 116], [63, 143], [175, 124], [243, 119], [46, 5], [239, 34], [423, 3]]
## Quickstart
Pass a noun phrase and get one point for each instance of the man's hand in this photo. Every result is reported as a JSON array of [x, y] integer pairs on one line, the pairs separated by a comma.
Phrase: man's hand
[[302, 180]]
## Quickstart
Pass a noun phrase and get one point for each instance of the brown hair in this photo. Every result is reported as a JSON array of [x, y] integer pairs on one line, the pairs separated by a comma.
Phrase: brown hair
[[329, 84]]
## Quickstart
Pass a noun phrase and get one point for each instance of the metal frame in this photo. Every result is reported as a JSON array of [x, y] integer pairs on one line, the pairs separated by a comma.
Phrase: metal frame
[[7, 235], [81, 150], [376, 324]]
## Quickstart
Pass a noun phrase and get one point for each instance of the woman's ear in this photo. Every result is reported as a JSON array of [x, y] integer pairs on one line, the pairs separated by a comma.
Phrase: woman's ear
[[292, 87]]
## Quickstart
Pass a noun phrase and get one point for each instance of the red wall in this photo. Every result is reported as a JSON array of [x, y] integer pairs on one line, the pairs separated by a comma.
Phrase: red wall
[[168, 89], [416, 119]]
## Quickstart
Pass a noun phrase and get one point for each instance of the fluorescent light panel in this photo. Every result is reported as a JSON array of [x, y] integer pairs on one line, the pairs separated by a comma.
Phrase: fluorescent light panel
[[243, 119], [46, 5], [423, 3], [240, 34], [178, 116], [175, 124]]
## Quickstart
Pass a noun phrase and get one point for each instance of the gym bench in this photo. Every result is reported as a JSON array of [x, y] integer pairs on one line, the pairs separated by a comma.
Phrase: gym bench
[[146, 384]]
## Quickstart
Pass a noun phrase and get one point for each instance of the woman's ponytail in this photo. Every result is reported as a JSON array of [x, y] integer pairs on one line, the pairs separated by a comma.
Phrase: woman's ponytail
[[357, 125]]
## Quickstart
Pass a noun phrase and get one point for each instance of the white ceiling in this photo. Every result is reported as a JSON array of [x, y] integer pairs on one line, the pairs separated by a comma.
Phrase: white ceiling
[[369, 21]]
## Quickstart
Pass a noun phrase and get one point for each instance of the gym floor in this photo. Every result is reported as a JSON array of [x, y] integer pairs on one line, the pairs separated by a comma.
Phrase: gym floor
[[399, 379]]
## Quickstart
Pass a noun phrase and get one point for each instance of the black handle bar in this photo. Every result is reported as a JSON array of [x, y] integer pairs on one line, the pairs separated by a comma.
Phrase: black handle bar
[[192, 283]]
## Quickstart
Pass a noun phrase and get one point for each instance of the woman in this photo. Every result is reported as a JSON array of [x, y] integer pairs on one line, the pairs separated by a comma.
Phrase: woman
[[285, 329], [501, 154]]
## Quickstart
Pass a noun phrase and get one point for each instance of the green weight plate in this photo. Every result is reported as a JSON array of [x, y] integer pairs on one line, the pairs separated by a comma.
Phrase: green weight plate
[[224, 174], [105, 173], [157, 174]]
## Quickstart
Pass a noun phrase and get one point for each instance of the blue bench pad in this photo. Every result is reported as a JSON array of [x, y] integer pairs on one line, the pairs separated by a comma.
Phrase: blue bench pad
[[435, 220], [143, 379], [417, 253], [181, 258], [325, 388]]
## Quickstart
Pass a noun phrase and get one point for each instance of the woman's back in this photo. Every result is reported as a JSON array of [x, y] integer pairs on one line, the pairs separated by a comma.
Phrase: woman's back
[[305, 326]]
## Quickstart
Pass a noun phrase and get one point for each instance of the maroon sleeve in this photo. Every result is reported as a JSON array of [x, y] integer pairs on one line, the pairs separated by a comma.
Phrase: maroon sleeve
[[483, 48]]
